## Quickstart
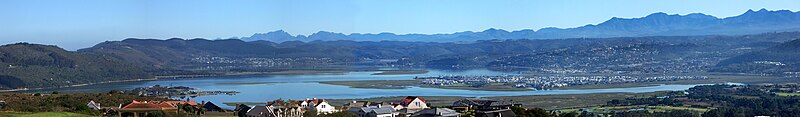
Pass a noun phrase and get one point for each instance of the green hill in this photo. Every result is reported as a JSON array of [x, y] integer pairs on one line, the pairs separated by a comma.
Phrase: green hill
[[777, 59], [33, 65]]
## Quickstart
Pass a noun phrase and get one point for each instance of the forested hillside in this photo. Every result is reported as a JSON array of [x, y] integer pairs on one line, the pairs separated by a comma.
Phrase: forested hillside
[[779, 59], [33, 65]]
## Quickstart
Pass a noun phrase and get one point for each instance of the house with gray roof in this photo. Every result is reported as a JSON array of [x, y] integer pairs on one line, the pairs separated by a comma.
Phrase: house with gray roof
[[436, 112], [374, 111], [264, 111]]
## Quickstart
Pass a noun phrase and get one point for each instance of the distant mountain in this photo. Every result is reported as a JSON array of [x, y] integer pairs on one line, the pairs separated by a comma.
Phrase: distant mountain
[[33, 65], [656, 24], [778, 59]]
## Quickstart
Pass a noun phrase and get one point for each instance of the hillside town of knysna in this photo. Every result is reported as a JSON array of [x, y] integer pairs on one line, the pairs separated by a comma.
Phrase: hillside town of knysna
[[410, 106]]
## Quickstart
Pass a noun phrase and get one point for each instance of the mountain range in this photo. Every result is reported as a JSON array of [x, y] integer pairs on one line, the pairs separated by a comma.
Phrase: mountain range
[[656, 24], [686, 49]]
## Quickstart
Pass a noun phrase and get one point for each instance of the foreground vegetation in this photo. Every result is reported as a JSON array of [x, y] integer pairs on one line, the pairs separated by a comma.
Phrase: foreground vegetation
[[26, 103], [42, 114]]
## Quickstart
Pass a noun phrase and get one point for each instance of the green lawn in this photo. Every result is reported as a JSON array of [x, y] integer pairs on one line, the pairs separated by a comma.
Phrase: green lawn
[[42, 114], [679, 108]]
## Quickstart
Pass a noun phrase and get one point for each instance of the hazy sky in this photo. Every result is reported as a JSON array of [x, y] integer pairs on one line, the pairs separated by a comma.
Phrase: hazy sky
[[74, 24]]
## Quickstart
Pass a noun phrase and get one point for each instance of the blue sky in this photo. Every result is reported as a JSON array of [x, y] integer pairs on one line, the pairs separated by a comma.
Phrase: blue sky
[[74, 24]]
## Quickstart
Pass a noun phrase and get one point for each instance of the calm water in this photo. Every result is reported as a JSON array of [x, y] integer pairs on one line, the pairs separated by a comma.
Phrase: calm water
[[306, 86]]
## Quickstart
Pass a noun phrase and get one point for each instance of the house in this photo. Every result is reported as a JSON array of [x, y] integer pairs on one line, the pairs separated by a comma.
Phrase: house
[[414, 102], [408, 112], [397, 106], [356, 104], [137, 108], [485, 108], [241, 110], [374, 111], [275, 104], [264, 111], [179, 103], [496, 113], [319, 105], [436, 112], [212, 107], [93, 105], [478, 105]]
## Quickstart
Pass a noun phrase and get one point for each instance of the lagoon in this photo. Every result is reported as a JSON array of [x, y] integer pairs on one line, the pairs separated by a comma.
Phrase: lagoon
[[267, 88]]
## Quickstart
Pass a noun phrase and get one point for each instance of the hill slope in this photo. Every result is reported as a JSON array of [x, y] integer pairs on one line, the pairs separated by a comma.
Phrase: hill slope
[[778, 59], [33, 65]]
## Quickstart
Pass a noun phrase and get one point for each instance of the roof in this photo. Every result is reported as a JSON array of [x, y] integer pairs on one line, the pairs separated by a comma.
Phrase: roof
[[190, 102], [383, 110], [274, 104], [256, 111], [373, 109], [411, 98], [242, 107], [503, 112], [314, 102], [358, 104], [409, 111], [212, 107], [146, 104], [437, 112]]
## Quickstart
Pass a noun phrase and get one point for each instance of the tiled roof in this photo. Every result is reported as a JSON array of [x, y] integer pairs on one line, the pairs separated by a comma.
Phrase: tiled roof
[[411, 98], [190, 102], [146, 104]]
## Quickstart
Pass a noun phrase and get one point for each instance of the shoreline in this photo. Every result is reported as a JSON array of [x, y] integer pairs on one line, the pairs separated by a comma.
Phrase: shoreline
[[713, 79], [226, 74]]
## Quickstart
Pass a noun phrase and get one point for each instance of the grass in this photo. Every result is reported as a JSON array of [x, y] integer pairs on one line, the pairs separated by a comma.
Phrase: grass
[[567, 101], [788, 94], [42, 114], [679, 108]]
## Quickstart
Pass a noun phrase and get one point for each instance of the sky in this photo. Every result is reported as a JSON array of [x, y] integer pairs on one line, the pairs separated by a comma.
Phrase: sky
[[76, 24]]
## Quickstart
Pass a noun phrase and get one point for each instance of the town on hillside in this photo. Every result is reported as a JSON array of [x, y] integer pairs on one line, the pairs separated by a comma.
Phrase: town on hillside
[[410, 106]]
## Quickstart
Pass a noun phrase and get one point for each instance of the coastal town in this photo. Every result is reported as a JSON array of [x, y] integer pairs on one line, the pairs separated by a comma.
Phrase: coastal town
[[410, 106], [550, 81]]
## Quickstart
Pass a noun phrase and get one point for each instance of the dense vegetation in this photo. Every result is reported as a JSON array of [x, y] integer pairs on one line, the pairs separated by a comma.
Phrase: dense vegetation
[[721, 100], [32, 65], [54, 102]]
